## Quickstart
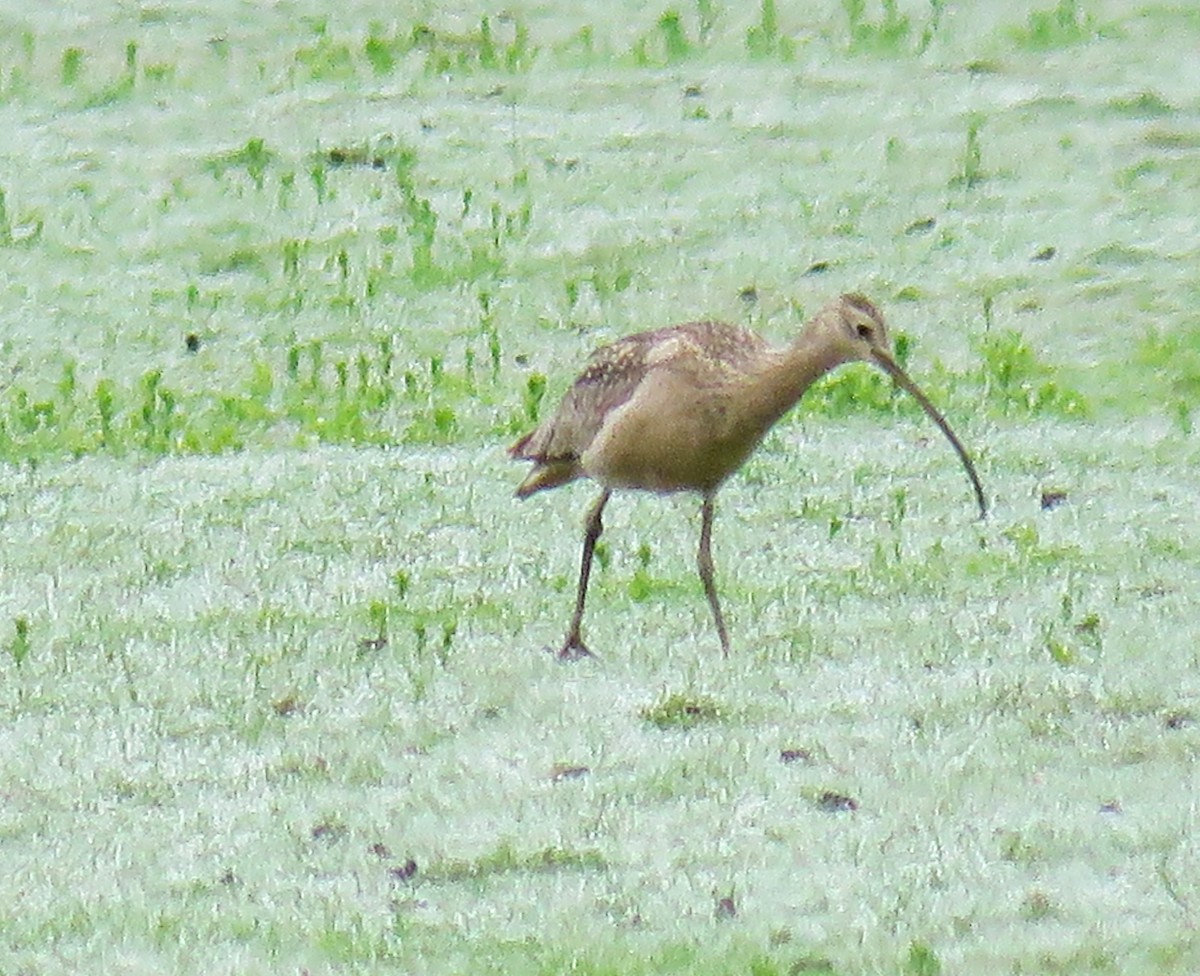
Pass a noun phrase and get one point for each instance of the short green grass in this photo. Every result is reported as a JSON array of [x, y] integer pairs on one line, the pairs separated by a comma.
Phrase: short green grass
[[281, 283]]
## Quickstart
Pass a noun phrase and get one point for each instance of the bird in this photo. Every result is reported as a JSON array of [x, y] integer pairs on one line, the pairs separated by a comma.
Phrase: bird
[[681, 408]]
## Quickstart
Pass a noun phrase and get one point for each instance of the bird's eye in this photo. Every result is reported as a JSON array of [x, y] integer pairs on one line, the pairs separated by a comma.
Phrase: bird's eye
[[865, 332]]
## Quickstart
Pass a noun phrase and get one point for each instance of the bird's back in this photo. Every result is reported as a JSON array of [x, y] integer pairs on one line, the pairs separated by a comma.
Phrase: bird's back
[[710, 352]]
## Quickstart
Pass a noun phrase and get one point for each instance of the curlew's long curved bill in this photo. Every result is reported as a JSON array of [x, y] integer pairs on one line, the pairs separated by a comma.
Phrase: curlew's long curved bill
[[892, 368]]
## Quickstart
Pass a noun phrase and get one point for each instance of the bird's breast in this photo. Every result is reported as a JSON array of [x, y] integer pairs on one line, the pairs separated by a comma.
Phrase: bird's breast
[[673, 434]]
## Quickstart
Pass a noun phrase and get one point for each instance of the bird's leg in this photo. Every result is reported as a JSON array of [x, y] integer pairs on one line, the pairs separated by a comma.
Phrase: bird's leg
[[573, 647], [705, 564]]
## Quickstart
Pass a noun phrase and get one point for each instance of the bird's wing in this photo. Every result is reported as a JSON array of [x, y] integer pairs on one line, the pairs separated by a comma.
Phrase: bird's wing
[[611, 376]]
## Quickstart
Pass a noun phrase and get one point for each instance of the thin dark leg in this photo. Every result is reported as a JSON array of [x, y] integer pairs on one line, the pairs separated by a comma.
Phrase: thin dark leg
[[705, 564], [573, 647]]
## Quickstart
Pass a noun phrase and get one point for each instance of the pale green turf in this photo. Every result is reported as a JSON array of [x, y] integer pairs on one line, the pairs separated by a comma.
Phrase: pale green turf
[[204, 765]]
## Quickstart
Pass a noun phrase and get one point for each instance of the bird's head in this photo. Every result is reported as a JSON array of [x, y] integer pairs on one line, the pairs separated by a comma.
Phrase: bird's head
[[864, 336], [862, 330]]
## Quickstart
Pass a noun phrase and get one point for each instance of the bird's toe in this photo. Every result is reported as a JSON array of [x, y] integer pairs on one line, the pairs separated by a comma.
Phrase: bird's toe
[[573, 649]]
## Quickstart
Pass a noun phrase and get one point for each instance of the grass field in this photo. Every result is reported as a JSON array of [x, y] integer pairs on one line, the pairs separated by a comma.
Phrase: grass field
[[279, 284]]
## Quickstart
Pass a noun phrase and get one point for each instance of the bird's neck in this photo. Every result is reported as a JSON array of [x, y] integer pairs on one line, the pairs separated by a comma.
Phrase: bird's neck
[[788, 373]]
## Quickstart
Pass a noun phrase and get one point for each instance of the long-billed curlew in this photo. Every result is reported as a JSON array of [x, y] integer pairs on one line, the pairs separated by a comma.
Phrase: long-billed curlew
[[681, 408]]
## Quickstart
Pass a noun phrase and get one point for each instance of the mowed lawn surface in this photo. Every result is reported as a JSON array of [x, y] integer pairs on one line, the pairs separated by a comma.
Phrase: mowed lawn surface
[[279, 284]]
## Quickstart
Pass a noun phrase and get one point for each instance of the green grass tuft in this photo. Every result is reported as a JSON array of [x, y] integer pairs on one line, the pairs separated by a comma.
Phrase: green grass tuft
[[1015, 381], [507, 859], [71, 67], [254, 158], [1044, 30], [21, 644], [970, 171], [764, 39], [922, 961], [890, 35], [679, 711]]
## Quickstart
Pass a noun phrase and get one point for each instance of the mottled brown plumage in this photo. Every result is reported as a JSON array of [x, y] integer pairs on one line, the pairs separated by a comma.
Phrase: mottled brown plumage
[[681, 408]]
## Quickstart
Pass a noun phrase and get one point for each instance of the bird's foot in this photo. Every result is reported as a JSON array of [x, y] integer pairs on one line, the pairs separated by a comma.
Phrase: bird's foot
[[573, 649]]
